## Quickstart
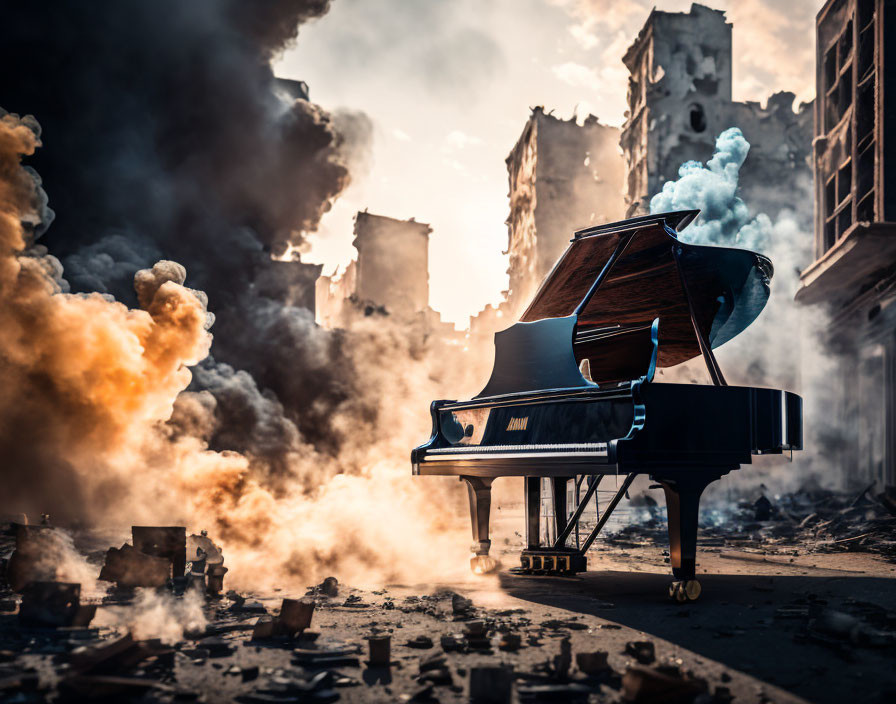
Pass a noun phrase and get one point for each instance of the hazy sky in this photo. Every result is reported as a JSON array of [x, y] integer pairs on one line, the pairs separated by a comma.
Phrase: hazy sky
[[448, 85]]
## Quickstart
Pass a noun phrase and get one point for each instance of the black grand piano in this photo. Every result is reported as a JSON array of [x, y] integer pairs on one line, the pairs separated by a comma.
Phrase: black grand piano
[[572, 395]]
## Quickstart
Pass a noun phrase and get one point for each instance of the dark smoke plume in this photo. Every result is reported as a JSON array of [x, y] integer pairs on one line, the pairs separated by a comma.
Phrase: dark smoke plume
[[167, 138]]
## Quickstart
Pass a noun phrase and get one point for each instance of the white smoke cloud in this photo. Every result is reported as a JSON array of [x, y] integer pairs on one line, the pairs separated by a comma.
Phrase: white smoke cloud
[[157, 615], [725, 218]]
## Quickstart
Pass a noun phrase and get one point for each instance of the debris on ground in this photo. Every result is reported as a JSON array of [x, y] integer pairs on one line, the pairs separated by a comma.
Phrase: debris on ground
[[129, 567], [641, 650], [258, 648], [491, 685], [54, 605], [810, 520], [660, 685]]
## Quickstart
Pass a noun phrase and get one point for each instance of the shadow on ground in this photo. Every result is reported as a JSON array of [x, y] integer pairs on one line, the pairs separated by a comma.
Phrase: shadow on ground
[[752, 623]]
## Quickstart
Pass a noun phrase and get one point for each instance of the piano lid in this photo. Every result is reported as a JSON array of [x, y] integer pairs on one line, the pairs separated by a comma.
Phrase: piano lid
[[728, 287]]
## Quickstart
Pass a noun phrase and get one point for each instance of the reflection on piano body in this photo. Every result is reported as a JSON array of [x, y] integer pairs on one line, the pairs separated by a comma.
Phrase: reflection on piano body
[[628, 297]]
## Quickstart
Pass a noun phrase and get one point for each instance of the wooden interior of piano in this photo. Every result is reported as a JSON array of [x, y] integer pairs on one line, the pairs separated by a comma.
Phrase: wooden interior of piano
[[727, 288]]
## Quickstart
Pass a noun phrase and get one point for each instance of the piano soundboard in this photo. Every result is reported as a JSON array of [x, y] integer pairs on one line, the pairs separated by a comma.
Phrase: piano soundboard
[[624, 299]]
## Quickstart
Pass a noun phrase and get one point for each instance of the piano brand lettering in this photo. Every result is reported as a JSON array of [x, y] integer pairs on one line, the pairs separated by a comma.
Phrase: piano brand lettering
[[518, 423]]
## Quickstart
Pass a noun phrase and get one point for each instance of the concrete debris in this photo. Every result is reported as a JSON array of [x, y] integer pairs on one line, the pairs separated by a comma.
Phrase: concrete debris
[[292, 621], [295, 616], [264, 628], [491, 685], [54, 605], [169, 542], [461, 607], [594, 663], [120, 655], [476, 635], [129, 567], [641, 650], [26, 563], [420, 643], [380, 650], [510, 642], [434, 670], [326, 657], [329, 587], [850, 628], [159, 554], [558, 625], [98, 687], [242, 605], [216, 647], [541, 654], [452, 643], [810, 520], [763, 509], [563, 661], [661, 685], [554, 692]]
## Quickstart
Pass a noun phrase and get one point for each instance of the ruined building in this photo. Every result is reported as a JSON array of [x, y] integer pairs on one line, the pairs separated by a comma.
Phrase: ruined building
[[563, 176], [854, 272], [389, 277], [679, 100]]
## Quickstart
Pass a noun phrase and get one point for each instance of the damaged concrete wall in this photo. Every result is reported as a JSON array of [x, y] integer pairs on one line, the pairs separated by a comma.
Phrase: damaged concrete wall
[[563, 176], [680, 81], [389, 277], [680, 99], [393, 262]]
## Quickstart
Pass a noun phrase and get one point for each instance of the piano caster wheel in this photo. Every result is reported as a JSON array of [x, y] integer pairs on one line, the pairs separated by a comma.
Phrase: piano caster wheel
[[483, 564], [684, 591]]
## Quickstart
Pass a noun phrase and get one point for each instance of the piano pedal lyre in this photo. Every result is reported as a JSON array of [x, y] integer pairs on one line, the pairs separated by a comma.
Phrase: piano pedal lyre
[[550, 561]]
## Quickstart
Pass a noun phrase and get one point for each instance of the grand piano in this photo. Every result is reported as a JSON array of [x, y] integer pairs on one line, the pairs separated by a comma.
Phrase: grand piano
[[572, 396]]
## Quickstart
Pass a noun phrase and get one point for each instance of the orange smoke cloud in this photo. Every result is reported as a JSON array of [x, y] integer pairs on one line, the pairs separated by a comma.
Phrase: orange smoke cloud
[[89, 386]]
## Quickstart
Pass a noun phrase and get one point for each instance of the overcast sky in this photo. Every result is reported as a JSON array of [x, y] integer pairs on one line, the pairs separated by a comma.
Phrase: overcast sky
[[448, 85]]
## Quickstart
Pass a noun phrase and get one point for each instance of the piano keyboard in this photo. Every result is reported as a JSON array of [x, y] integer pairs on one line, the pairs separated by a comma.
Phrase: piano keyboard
[[593, 449]]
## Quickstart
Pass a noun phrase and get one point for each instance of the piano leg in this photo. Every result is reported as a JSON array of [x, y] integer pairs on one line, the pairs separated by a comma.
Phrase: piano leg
[[479, 490], [558, 489], [533, 512], [682, 506]]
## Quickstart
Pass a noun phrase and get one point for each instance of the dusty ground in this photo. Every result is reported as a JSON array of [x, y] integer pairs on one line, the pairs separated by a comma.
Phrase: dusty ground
[[771, 626]]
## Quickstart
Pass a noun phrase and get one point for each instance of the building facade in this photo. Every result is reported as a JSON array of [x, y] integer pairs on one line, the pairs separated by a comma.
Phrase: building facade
[[388, 278], [563, 176], [854, 272], [680, 99]]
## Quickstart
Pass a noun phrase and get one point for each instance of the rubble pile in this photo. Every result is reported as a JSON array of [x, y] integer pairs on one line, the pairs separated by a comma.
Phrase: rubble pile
[[334, 643], [811, 520], [331, 642]]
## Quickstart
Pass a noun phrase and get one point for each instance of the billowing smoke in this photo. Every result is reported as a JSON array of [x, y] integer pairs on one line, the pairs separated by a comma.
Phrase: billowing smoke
[[95, 422], [170, 138], [783, 348], [156, 615], [726, 220]]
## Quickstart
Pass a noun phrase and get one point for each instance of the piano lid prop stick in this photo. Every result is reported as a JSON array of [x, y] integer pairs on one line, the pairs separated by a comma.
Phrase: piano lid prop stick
[[620, 248], [610, 508], [715, 372]]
